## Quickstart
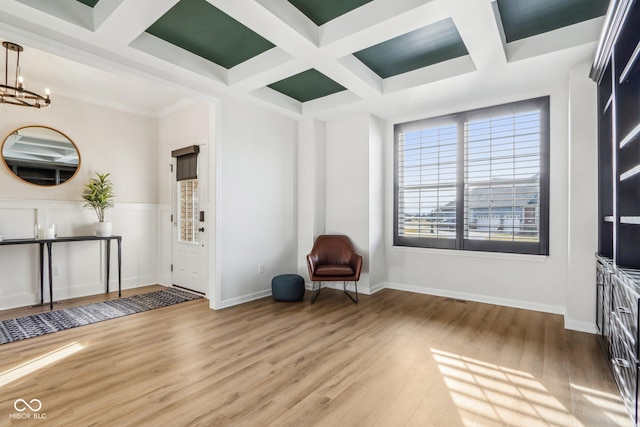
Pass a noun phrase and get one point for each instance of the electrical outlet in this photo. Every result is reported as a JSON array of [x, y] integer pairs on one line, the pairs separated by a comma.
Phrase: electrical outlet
[[56, 270], [260, 268]]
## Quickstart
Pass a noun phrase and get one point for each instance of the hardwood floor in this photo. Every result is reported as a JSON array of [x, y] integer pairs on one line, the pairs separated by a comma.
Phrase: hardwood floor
[[395, 359]]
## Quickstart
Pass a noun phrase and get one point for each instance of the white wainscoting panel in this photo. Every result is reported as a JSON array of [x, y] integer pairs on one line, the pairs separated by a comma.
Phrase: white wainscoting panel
[[164, 230], [78, 267]]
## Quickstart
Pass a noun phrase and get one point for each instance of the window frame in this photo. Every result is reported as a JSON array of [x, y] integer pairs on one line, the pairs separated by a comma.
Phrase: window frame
[[541, 247]]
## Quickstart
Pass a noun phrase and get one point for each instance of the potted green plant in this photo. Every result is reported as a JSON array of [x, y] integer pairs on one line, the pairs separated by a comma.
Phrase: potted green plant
[[98, 194]]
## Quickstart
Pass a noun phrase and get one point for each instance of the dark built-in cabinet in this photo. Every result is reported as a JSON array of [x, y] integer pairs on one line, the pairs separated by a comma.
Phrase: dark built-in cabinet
[[616, 69], [618, 299]]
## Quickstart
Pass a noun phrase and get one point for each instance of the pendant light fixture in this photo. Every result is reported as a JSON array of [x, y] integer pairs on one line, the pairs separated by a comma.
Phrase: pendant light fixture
[[12, 90]]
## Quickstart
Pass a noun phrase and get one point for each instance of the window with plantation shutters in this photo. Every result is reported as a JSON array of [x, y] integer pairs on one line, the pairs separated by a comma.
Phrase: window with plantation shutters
[[476, 180], [426, 169]]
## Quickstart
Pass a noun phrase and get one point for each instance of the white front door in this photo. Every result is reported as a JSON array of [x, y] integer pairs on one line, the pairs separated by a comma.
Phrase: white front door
[[190, 251]]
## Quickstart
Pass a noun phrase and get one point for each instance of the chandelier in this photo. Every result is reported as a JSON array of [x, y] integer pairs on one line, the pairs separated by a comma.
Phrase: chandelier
[[16, 94]]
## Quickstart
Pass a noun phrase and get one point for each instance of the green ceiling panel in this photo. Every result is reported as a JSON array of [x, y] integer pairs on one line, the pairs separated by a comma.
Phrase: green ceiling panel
[[526, 18], [323, 11], [418, 49], [90, 3], [308, 85], [202, 29]]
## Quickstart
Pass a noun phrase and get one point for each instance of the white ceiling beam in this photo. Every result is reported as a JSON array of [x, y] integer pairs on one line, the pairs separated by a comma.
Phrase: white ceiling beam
[[433, 73], [103, 10], [70, 11], [357, 68], [336, 100], [265, 69], [352, 78], [275, 98], [177, 56], [476, 23], [291, 16], [380, 20], [128, 19], [29, 19], [259, 19]]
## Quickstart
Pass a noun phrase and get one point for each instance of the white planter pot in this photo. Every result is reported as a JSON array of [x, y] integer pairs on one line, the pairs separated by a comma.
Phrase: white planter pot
[[103, 229]]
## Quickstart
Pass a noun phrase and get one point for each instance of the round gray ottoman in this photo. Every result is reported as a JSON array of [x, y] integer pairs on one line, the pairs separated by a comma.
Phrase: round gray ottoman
[[287, 287]]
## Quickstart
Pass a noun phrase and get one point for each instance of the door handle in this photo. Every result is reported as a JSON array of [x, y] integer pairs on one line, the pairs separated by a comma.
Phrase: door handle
[[201, 229]]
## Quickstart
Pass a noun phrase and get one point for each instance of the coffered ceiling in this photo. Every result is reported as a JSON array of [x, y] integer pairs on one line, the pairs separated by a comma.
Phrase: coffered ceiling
[[308, 57]]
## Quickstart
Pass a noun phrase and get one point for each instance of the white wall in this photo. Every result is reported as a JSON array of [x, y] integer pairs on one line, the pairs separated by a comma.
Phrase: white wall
[[256, 216], [560, 283], [583, 199], [109, 141], [347, 185], [257, 211], [347, 179], [377, 176], [355, 191], [311, 187], [532, 282]]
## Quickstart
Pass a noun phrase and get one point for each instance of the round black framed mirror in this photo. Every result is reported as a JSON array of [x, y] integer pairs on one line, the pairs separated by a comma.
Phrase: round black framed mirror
[[41, 155]]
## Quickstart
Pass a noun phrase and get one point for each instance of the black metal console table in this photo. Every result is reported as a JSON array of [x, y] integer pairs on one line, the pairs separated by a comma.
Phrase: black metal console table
[[49, 243]]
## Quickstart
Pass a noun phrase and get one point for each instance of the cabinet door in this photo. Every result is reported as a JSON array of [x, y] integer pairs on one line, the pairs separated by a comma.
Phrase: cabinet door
[[599, 299], [625, 370], [625, 308], [604, 304], [601, 309]]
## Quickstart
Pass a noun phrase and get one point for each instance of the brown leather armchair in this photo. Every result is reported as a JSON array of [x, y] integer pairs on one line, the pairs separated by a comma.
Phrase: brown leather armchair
[[334, 259]]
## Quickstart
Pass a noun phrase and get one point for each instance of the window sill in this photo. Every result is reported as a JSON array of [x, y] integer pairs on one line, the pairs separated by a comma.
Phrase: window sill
[[471, 254]]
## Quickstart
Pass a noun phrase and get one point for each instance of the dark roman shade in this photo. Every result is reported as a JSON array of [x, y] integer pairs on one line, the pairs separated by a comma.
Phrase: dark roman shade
[[187, 159]]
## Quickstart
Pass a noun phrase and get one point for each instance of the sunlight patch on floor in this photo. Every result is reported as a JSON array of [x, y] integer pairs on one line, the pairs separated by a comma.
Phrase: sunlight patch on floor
[[497, 394], [38, 363], [608, 403]]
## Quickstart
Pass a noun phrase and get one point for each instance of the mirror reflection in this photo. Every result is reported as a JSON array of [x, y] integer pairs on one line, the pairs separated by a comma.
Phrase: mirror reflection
[[40, 155]]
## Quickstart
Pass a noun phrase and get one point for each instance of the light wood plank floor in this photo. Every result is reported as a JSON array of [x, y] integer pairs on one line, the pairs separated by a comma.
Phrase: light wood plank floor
[[395, 359]]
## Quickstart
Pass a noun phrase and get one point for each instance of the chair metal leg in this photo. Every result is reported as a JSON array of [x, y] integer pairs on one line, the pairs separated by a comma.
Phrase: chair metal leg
[[314, 293], [355, 300]]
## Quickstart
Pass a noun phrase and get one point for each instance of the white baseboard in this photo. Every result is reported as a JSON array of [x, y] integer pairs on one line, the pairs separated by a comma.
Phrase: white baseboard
[[63, 293], [526, 305], [164, 279], [580, 326], [364, 290], [60, 293], [369, 290], [132, 282], [378, 287], [245, 298], [21, 300]]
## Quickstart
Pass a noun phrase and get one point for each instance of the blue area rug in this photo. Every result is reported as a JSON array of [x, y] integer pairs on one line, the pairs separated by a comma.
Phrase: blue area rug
[[45, 323]]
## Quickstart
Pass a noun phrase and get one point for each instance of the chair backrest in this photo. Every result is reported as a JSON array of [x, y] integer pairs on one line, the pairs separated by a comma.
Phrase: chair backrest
[[333, 249]]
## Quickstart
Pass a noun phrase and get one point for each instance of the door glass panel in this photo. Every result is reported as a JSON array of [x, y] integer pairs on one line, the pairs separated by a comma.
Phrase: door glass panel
[[188, 211]]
